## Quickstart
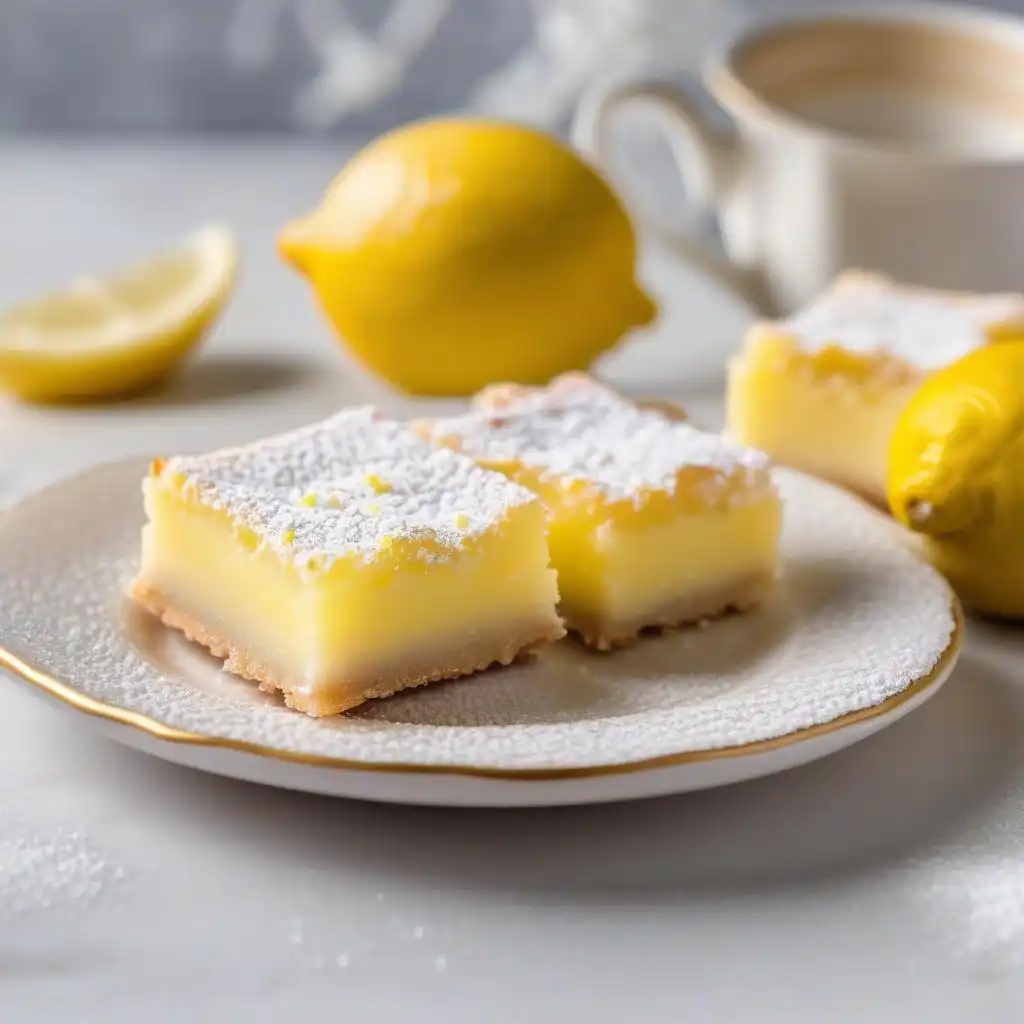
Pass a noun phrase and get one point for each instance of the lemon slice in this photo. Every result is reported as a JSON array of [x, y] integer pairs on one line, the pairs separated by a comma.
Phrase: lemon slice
[[101, 337]]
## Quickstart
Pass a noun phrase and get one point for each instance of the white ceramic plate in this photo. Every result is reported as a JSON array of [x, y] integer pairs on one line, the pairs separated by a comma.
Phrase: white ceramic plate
[[858, 634]]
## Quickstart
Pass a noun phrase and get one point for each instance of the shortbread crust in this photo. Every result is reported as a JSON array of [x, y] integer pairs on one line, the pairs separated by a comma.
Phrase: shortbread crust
[[343, 695]]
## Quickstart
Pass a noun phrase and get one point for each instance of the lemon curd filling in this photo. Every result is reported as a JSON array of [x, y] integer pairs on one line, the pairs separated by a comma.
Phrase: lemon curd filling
[[823, 390], [346, 561], [652, 522]]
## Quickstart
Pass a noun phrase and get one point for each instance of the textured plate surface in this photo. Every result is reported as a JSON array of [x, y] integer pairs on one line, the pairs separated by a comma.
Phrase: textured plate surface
[[856, 624]]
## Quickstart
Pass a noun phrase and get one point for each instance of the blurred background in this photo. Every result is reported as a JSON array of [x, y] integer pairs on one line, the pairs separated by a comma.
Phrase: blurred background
[[359, 66], [330, 66], [124, 123]]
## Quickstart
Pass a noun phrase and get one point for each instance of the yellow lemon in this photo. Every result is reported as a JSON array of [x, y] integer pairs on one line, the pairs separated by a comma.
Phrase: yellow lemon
[[956, 475], [103, 337], [451, 254]]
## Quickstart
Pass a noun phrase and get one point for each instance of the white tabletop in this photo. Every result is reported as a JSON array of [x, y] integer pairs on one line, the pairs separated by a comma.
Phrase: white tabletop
[[885, 884]]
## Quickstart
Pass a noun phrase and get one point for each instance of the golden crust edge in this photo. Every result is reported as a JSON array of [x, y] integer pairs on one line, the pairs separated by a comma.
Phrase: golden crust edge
[[345, 694], [693, 610]]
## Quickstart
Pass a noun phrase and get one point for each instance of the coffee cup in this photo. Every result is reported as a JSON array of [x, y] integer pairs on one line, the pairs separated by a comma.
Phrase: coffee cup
[[888, 139]]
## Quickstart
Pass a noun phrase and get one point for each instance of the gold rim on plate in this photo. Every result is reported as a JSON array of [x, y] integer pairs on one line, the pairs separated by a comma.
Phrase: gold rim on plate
[[68, 694]]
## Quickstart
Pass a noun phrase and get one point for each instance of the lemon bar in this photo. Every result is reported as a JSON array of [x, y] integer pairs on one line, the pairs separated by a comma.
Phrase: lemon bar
[[822, 390], [345, 561], [653, 523]]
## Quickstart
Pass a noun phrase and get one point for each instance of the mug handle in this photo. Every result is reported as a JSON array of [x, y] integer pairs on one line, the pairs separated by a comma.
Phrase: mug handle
[[708, 161]]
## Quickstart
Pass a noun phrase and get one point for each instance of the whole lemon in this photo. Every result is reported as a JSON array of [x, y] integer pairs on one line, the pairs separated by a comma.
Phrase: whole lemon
[[956, 475], [454, 253]]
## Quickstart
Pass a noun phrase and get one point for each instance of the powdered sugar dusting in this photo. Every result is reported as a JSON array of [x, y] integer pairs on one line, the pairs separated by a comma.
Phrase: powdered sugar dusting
[[925, 328], [348, 486], [43, 871], [577, 430]]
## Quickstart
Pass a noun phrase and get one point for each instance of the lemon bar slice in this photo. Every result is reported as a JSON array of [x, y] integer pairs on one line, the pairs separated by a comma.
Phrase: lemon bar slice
[[653, 523], [822, 391], [345, 561]]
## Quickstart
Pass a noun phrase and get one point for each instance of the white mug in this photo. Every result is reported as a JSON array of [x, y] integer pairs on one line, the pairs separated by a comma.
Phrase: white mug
[[890, 140]]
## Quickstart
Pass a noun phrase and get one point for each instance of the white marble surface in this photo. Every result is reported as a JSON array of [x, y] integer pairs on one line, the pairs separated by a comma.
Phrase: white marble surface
[[883, 885]]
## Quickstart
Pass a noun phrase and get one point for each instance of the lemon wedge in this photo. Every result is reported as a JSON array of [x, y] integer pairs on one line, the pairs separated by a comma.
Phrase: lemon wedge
[[101, 337], [956, 475], [451, 254]]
